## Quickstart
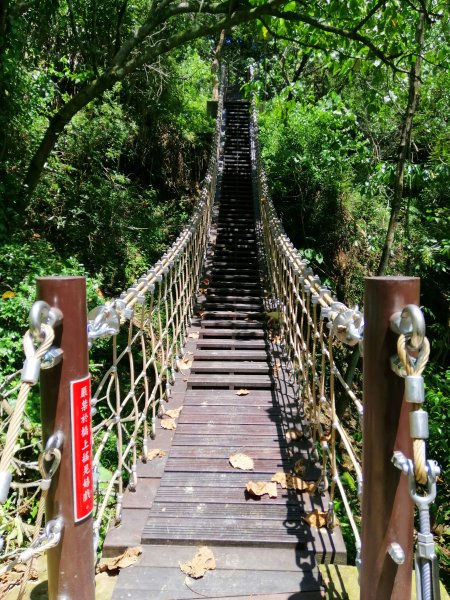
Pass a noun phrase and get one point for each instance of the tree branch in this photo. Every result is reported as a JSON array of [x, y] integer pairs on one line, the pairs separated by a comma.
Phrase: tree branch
[[369, 15], [345, 33], [120, 69]]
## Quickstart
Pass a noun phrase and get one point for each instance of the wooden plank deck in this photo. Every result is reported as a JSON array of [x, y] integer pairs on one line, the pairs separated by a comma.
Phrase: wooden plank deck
[[263, 547]]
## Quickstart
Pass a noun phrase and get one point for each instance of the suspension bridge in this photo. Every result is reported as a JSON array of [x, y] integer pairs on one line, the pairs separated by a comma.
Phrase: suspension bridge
[[214, 428]]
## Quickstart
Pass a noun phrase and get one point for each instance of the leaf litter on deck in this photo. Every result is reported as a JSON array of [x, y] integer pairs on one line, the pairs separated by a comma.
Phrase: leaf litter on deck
[[124, 560], [291, 482], [242, 461], [203, 561], [174, 413], [156, 453], [316, 518], [261, 488], [168, 423], [242, 392]]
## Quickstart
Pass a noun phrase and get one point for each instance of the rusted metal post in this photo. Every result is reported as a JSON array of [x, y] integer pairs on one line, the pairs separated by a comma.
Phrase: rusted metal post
[[71, 563], [387, 508]]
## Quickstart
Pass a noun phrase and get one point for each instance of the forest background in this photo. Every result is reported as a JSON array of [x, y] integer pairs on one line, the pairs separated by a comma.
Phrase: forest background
[[104, 140]]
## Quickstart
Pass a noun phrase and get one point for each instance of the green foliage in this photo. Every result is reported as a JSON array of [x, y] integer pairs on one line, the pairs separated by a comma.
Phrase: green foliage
[[21, 262], [98, 202], [314, 155]]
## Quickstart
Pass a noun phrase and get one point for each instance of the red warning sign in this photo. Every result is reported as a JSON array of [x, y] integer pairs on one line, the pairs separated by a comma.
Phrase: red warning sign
[[80, 402]]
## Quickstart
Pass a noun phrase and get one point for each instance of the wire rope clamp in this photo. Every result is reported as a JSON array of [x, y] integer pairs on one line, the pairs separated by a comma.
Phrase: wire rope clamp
[[414, 389], [52, 358], [31, 370], [397, 553], [348, 326], [418, 424], [104, 321]]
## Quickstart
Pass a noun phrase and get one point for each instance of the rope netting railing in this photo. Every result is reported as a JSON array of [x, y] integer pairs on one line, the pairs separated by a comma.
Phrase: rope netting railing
[[148, 326], [318, 335], [315, 329]]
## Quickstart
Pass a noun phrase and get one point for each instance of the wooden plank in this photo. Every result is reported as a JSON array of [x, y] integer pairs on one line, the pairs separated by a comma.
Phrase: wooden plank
[[253, 299], [238, 306], [170, 582], [267, 429], [231, 558], [265, 467], [128, 534], [218, 481], [236, 315], [233, 402], [290, 513], [204, 417], [232, 332], [235, 344], [237, 419], [209, 495], [242, 439], [230, 366], [242, 531], [230, 354], [178, 451], [230, 381], [259, 396], [222, 465], [143, 496], [258, 429], [232, 324], [233, 410]]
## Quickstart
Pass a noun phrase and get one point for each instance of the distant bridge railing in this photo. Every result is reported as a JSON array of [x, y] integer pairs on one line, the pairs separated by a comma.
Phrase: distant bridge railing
[[101, 435], [318, 333]]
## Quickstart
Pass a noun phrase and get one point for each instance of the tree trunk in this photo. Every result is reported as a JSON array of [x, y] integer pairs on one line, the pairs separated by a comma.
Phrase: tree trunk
[[405, 143], [216, 64], [57, 125], [3, 28]]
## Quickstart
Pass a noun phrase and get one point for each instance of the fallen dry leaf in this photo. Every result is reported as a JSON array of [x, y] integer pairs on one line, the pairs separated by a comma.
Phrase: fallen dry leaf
[[205, 281], [242, 392], [291, 482], [174, 413], [293, 434], [203, 561], [14, 577], [194, 335], [156, 453], [168, 423], [316, 519], [299, 467], [124, 560], [238, 460], [260, 488], [201, 313], [326, 437], [185, 363]]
